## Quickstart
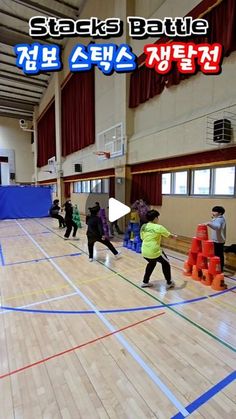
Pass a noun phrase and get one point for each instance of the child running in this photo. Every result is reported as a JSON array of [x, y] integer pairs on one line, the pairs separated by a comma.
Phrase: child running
[[151, 234], [95, 233]]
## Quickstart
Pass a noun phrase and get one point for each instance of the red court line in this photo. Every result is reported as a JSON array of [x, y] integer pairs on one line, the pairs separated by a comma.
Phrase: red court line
[[77, 347]]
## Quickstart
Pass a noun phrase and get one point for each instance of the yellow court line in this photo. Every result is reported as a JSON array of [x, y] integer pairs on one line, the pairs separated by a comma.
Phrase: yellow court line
[[215, 300], [44, 290], [224, 304], [27, 294]]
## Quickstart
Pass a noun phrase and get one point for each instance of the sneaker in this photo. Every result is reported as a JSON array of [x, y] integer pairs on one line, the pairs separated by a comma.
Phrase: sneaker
[[66, 238], [118, 255], [90, 259], [146, 285], [75, 238], [170, 285]]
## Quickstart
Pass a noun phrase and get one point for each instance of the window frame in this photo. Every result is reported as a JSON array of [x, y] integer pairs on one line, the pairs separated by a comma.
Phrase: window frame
[[103, 184], [190, 182]]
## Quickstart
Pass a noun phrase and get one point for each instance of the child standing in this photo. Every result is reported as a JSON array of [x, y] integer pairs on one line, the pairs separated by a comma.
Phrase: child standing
[[151, 234], [142, 208], [95, 233], [69, 220], [218, 236]]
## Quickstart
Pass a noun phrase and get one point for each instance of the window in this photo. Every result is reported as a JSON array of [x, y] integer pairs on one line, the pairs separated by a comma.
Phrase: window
[[54, 188], [180, 183], [209, 181], [201, 182], [166, 183], [77, 187], [96, 186], [224, 181], [91, 186], [86, 186], [105, 185]]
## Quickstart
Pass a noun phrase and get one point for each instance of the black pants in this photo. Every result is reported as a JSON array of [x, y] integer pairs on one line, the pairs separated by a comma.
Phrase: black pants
[[60, 219], [114, 224], [106, 242], [163, 260], [69, 225], [219, 251]]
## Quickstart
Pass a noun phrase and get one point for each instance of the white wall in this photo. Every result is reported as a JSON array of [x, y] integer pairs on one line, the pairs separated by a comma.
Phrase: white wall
[[174, 122], [13, 137], [181, 215]]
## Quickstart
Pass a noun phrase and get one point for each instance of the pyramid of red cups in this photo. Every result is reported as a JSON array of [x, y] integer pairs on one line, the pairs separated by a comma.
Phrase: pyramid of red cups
[[202, 265]]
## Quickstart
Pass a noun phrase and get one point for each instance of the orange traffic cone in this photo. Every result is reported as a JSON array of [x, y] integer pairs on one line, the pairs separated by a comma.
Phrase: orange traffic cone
[[218, 283], [187, 271], [202, 232], [196, 273], [207, 278]]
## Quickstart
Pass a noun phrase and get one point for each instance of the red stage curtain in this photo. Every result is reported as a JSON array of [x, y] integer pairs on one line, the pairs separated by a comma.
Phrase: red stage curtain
[[111, 187], [205, 157], [78, 112], [67, 190], [147, 186], [144, 83], [46, 136]]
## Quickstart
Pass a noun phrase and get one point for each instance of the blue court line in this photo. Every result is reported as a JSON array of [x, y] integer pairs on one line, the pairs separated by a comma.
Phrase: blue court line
[[2, 261], [208, 395], [41, 259], [110, 311], [24, 235]]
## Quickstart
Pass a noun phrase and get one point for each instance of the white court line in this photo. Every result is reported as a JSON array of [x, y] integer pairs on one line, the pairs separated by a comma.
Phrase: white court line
[[118, 336], [39, 302]]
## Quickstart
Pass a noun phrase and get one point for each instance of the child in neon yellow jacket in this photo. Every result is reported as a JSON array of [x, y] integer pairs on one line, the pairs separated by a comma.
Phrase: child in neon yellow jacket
[[151, 234]]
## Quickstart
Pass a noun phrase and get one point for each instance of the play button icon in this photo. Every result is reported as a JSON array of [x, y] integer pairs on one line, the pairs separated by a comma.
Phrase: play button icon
[[117, 210]]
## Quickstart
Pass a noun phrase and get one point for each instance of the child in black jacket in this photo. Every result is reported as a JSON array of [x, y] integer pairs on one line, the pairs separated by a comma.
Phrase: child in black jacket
[[54, 213], [69, 220], [95, 233]]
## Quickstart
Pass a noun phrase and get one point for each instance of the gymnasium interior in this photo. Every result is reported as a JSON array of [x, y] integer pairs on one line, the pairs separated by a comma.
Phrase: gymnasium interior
[[86, 340]]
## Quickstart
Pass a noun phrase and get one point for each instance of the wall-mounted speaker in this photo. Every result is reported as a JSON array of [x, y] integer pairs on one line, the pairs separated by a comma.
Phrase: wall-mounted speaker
[[222, 131], [78, 167]]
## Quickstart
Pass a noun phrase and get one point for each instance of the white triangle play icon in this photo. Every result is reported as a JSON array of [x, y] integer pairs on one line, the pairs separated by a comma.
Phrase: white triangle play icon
[[117, 210]]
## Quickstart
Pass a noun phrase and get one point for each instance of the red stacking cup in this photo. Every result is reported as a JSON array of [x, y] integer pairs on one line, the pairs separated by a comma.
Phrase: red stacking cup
[[196, 245], [218, 282], [214, 267], [208, 248], [192, 258], [202, 232], [201, 261], [206, 277], [187, 271]]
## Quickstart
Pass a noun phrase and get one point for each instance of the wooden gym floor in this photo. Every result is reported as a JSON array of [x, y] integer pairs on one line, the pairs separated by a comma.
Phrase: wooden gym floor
[[83, 340]]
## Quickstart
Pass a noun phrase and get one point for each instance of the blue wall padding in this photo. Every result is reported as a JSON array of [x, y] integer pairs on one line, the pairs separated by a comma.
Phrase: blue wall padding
[[24, 201]]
